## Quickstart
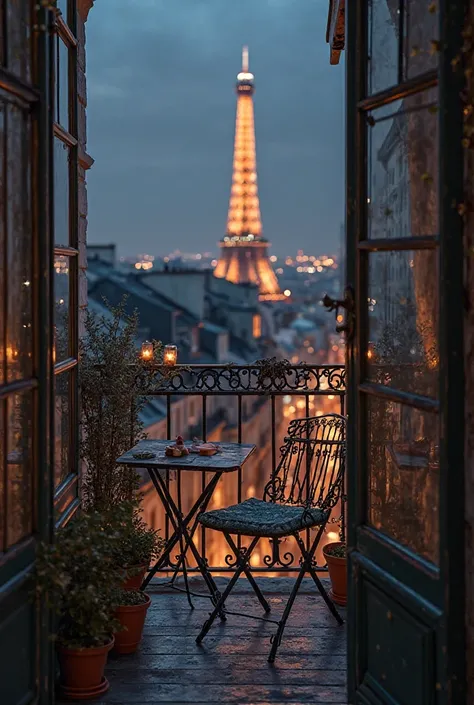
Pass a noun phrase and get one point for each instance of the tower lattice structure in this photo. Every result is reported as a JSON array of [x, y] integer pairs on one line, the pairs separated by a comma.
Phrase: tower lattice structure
[[244, 251]]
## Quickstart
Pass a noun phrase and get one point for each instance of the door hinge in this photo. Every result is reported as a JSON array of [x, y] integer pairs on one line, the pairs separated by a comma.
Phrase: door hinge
[[344, 323]]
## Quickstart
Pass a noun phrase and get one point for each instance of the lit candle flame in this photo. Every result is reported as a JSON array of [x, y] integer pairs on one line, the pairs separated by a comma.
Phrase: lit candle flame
[[147, 351], [170, 355]]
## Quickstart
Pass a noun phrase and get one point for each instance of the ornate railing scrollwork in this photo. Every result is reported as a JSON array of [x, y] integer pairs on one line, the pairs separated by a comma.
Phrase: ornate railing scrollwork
[[264, 377]]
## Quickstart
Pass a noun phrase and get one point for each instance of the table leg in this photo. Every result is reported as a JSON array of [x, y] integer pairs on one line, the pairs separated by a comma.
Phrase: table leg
[[181, 526], [182, 556], [200, 504]]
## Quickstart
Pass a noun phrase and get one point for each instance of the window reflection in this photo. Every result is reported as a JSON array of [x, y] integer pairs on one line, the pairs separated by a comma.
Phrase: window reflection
[[62, 428], [404, 475], [420, 37], [61, 307], [403, 320], [383, 36], [61, 192], [19, 343], [19, 469], [62, 79], [402, 196]]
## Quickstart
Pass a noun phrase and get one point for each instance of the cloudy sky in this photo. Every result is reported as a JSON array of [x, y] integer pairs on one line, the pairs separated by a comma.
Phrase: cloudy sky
[[161, 112]]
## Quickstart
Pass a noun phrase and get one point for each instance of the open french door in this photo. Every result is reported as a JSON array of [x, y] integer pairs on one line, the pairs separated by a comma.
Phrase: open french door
[[405, 406], [26, 515]]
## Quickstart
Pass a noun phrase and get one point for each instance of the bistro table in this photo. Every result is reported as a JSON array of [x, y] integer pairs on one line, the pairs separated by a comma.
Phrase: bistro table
[[230, 457]]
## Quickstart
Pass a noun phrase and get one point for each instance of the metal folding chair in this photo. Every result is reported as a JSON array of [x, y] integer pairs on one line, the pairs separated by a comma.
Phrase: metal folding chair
[[303, 490]]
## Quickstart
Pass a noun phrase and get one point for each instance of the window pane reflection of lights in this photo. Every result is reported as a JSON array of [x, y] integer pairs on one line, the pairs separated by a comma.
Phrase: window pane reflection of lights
[[403, 321], [402, 197], [404, 475], [19, 343], [19, 469], [61, 307], [61, 193], [62, 418]]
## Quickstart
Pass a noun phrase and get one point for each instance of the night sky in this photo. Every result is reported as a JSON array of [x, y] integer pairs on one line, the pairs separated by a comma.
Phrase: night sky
[[161, 114]]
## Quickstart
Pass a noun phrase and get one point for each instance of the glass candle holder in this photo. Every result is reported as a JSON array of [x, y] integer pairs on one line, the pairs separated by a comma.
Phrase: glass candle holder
[[170, 355], [147, 351]]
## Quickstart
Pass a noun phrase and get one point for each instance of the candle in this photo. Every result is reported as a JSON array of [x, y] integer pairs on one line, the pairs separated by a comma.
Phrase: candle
[[147, 351], [170, 355]]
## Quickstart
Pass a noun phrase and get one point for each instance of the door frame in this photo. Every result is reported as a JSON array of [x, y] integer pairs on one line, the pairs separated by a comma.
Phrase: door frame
[[43, 196], [450, 582]]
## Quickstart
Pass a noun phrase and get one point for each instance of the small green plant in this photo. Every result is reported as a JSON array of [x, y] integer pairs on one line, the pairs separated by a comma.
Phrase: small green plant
[[338, 551], [138, 543], [78, 576], [129, 598]]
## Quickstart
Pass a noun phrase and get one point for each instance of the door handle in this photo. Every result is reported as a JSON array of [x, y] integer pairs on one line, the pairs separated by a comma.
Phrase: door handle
[[344, 324]]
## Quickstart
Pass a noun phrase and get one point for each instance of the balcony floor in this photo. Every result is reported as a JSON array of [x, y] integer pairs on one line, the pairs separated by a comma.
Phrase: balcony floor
[[231, 667]]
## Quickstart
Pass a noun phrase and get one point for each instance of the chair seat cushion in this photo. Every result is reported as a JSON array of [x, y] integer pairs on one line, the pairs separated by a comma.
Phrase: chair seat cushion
[[254, 517]]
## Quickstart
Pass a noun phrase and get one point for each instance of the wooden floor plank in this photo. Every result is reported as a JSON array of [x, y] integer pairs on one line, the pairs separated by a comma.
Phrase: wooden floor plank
[[231, 667], [231, 695]]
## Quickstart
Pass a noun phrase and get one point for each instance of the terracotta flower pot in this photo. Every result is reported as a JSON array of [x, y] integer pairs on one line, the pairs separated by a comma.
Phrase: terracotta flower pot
[[136, 575], [82, 671], [132, 617], [337, 568]]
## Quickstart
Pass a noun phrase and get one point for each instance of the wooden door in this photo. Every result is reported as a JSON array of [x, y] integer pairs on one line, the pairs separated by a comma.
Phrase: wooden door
[[25, 345], [405, 405]]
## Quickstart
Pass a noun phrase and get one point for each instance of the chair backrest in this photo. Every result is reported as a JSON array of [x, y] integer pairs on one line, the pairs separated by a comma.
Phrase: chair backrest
[[312, 462]]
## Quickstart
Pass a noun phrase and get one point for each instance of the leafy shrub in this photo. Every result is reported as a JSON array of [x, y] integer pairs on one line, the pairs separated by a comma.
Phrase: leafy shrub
[[138, 544], [109, 364], [78, 577]]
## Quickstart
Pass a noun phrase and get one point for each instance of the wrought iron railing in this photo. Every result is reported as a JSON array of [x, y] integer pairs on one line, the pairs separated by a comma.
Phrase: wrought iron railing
[[248, 404]]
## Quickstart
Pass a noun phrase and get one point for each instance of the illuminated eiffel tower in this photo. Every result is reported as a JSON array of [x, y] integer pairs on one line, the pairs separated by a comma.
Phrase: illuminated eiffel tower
[[244, 251]]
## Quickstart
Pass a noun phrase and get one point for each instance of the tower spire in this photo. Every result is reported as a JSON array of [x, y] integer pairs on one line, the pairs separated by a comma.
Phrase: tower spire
[[245, 59], [244, 257]]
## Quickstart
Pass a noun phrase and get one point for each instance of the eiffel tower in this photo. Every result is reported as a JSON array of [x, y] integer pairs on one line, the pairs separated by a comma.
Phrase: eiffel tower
[[244, 251]]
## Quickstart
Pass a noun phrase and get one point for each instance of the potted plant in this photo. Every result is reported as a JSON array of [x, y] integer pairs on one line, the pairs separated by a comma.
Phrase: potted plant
[[335, 555], [78, 576], [138, 544], [131, 613]]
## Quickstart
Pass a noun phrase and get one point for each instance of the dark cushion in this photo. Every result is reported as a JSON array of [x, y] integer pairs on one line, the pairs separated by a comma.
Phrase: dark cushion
[[254, 517]]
